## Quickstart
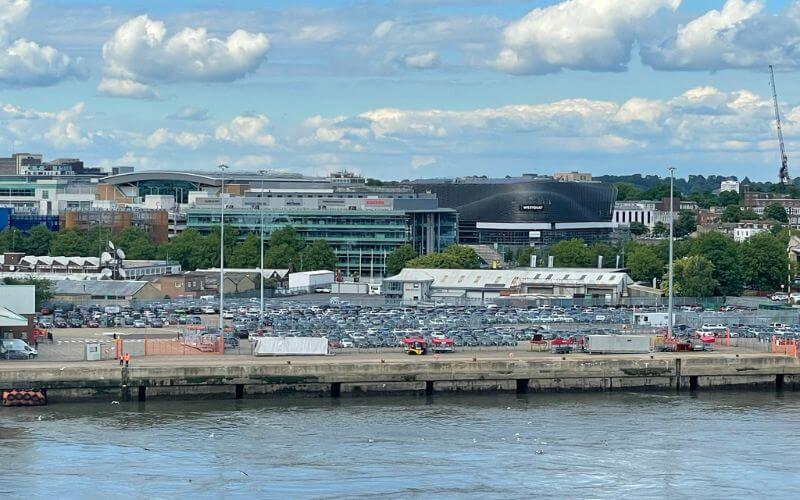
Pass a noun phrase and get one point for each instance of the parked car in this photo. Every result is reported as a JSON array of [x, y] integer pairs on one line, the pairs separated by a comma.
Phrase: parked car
[[139, 323]]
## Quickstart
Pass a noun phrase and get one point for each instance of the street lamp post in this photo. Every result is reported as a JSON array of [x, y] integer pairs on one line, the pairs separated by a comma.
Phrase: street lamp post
[[222, 169], [262, 173], [671, 229]]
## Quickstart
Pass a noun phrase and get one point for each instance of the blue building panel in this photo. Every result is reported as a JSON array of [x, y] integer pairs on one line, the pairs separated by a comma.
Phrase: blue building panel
[[26, 222]]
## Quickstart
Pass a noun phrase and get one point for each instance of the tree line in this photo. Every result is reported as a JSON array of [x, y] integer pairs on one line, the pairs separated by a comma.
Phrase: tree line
[[193, 250]]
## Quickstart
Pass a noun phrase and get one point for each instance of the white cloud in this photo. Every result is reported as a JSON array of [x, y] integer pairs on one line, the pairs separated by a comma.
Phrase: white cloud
[[120, 87], [594, 35], [26, 63], [383, 29], [418, 162], [141, 51], [190, 113], [245, 162], [12, 11], [246, 129], [317, 33], [740, 35], [185, 139], [425, 60], [58, 129], [701, 118]]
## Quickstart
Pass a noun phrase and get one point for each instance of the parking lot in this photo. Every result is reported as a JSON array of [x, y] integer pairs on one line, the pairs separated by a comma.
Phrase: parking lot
[[360, 326]]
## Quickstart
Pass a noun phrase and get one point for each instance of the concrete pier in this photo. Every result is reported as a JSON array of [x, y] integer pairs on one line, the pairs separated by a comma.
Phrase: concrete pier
[[243, 377]]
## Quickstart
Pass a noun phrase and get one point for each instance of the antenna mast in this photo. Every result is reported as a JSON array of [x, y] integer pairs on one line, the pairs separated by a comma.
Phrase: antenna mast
[[783, 173]]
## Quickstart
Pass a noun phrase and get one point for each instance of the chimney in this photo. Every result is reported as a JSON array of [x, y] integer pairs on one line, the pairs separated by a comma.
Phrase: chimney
[[617, 261], [654, 283], [550, 261], [599, 262], [533, 260]]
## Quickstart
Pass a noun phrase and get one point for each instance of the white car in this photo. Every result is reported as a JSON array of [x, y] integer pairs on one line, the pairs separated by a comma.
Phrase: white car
[[208, 310], [780, 296]]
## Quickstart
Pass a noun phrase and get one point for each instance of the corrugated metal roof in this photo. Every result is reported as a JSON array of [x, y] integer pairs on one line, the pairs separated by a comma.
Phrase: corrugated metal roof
[[10, 318], [510, 278], [106, 288]]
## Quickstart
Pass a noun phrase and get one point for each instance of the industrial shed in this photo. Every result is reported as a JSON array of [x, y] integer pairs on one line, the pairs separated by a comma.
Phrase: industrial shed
[[420, 285], [109, 292]]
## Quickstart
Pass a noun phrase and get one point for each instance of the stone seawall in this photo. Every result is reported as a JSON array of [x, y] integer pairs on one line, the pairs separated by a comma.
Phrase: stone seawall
[[228, 377]]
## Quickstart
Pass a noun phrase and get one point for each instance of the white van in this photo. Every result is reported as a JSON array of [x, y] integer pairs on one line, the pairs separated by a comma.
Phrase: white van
[[17, 348]]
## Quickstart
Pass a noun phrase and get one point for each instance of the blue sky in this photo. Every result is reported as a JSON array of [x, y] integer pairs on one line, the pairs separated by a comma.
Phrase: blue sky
[[404, 88]]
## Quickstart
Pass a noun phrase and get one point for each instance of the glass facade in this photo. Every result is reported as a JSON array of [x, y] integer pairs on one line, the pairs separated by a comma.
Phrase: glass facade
[[361, 239]]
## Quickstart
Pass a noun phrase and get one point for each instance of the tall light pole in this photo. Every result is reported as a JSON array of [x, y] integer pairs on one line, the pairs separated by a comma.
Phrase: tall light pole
[[262, 173], [222, 169], [671, 232]]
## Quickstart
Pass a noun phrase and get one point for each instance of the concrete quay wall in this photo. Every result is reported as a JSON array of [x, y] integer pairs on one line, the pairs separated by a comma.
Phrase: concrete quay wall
[[253, 378]]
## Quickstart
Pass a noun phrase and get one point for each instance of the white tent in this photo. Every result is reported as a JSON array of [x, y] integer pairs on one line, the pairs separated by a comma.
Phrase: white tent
[[291, 346]]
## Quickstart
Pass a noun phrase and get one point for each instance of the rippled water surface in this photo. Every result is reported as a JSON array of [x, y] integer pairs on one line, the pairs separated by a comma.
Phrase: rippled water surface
[[620, 445]]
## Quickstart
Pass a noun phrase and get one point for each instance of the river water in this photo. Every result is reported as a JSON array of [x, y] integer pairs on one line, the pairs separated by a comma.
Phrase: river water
[[602, 445]]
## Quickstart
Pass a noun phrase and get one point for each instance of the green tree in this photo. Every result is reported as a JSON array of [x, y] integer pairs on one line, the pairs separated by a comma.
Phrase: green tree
[[453, 257], [572, 253], [638, 228], [70, 243], [776, 212], [659, 229], [287, 236], [96, 240], [764, 262], [135, 242], [687, 223], [727, 198], [440, 260], [12, 240], [659, 191], [723, 252], [465, 257], [749, 214], [693, 276], [732, 213], [396, 261], [644, 263], [523, 256], [246, 254], [189, 248], [39, 240], [627, 191], [608, 252], [318, 255]]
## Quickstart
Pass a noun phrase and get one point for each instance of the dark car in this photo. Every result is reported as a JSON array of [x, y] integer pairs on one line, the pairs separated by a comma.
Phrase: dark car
[[156, 323], [92, 324]]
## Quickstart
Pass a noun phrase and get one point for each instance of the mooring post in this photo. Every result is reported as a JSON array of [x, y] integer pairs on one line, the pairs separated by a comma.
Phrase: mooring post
[[125, 392]]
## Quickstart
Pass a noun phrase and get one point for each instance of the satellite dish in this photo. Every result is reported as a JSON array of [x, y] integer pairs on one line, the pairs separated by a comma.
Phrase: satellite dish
[[11, 268], [111, 245], [105, 257], [120, 254], [122, 273], [106, 273]]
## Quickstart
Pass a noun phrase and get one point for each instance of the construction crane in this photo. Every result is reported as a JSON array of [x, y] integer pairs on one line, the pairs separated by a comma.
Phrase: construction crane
[[783, 173]]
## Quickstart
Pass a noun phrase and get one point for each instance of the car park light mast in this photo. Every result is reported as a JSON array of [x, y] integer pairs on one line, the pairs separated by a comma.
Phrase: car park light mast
[[262, 173], [671, 228], [222, 169]]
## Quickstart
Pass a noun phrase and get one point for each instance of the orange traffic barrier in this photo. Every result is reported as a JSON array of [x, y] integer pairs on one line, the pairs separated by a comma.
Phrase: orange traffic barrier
[[783, 346]]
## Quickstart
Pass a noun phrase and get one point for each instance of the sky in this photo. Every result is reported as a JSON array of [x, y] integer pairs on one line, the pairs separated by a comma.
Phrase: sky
[[403, 89]]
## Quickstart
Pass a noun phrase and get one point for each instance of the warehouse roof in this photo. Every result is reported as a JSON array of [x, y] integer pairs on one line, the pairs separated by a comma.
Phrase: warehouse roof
[[511, 278], [104, 288]]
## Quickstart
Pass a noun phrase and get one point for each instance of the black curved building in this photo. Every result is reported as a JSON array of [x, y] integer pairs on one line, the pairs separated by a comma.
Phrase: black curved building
[[525, 210]]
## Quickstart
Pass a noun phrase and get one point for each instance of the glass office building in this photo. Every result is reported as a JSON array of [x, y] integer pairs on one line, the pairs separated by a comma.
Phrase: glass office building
[[361, 238]]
